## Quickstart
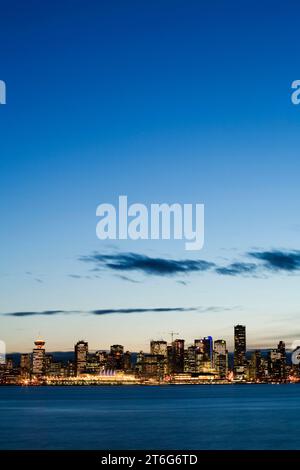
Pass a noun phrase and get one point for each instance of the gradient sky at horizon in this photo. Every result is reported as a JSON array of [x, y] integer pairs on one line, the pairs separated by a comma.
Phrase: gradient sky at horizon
[[164, 101]]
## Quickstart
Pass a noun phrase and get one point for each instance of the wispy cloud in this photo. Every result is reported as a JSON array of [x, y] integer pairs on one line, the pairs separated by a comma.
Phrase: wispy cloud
[[128, 279], [146, 264], [122, 311], [277, 260], [142, 310], [36, 278], [78, 276], [237, 269], [252, 264], [32, 313]]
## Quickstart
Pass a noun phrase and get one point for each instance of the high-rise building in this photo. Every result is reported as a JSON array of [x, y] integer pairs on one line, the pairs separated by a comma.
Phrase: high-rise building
[[92, 364], [48, 362], [204, 354], [25, 365], [70, 369], [208, 349], [239, 346], [274, 364], [81, 353], [127, 361], [117, 356], [200, 366], [154, 365], [169, 358], [39, 358], [282, 351], [9, 363], [102, 358], [178, 355], [55, 369], [221, 358], [139, 361], [190, 359], [199, 344], [277, 363], [158, 347], [255, 368]]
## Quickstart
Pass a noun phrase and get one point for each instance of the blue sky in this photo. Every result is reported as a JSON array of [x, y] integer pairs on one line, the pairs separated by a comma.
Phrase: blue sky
[[165, 101]]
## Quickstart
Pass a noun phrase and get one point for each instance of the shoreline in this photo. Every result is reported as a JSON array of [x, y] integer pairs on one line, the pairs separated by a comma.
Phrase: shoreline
[[145, 384]]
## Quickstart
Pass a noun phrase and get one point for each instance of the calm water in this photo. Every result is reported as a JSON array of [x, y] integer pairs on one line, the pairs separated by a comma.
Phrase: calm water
[[174, 417]]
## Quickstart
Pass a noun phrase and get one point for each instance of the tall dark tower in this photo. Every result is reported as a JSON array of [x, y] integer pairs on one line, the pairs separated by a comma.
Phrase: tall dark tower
[[81, 353], [208, 349], [178, 355], [282, 351], [239, 345]]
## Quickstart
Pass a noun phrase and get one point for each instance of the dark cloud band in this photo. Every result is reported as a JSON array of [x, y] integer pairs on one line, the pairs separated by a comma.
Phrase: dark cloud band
[[121, 311], [146, 264], [261, 263]]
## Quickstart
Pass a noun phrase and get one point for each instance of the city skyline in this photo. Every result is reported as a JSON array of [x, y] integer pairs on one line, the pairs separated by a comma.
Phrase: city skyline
[[237, 341], [141, 100], [204, 361]]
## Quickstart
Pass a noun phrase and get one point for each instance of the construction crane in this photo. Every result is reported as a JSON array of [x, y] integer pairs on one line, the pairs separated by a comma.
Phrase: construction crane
[[172, 334]]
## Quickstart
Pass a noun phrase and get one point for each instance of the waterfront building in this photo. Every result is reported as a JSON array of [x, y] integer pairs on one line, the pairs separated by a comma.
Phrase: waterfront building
[[117, 357], [81, 352], [282, 351], [178, 355], [208, 350], [204, 354], [139, 361], [92, 364], [159, 348], [56, 369], [277, 363], [127, 361], [102, 358], [256, 366], [190, 359], [39, 358], [25, 365], [239, 350], [154, 366], [221, 358], [9, 363]]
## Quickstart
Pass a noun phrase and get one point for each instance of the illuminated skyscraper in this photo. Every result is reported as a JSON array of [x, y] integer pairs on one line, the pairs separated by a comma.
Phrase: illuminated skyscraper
[[282, 352], [127, 361], [199, 344], [117, 356], [208, 349], [255, 369], [102, 358], [204, 353], [190, 359], [221, 358], [81, 352], [139, 361], [239, 346], [39, 358], [277, 363], [92, 364], [159, 348], [154, 365], [25, 365]]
